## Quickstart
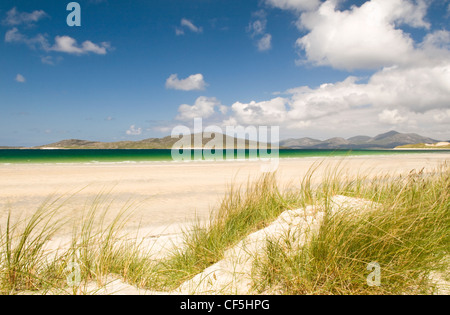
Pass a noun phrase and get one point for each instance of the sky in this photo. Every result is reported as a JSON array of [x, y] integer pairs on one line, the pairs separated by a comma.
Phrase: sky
[[136, 69]]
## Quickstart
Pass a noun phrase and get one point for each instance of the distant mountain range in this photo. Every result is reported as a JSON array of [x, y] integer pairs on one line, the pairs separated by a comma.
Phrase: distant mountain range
[[152, 143], [389, 140]]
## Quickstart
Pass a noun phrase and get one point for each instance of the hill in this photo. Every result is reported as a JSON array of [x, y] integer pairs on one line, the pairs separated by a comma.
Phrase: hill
[[389, 140], [151, 143]]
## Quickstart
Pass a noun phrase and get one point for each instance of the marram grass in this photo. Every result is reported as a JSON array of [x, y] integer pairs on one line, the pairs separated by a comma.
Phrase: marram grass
[[407, 234]]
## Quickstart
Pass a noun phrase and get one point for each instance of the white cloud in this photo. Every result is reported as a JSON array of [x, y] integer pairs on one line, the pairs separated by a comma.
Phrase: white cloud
[[257, 30], [436, 44], [20, 78], [265, 43], [14, 17], [269, 112], [50, 60], [365, 37], [258, 24], [419, 88], [391, 117], [298, 5], [64, 44], [192, 83], [15, 36], [407, 96], [69, 45], [191, 26], [409, 88], [133, 131], [442, 116], [326, 100], [187, 24], [204, 107]]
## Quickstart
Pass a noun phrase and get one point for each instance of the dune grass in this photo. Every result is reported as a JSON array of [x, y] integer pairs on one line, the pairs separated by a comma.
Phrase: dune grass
[[407, 235], [242, 211]]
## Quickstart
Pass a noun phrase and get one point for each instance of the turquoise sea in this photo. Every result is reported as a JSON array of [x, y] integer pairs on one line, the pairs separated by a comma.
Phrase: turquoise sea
[[122, 156]]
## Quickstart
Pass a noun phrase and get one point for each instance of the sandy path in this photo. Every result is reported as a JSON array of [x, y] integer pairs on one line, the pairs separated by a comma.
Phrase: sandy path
[[167, 193]]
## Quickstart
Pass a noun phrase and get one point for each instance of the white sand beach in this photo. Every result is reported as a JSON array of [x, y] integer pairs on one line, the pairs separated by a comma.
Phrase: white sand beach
[[167, 197], [167, 194]]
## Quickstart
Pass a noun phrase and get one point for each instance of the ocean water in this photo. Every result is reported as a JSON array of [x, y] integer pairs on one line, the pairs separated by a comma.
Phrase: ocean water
[[129, 156]]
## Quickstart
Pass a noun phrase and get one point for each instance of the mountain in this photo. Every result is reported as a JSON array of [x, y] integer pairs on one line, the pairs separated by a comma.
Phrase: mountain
[[394, 139], [299, 143], [151, 143], [359, 139], [389, 140], [333, 143]]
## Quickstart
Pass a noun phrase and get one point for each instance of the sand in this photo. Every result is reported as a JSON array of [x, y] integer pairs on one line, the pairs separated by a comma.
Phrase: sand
[[168, 195], [233, 274]]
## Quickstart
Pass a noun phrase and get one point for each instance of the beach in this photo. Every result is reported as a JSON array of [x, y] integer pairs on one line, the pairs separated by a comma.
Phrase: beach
[[165, 199], [167, 194]]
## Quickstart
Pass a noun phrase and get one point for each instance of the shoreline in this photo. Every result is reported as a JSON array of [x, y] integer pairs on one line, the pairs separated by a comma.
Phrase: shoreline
[[394, 152]]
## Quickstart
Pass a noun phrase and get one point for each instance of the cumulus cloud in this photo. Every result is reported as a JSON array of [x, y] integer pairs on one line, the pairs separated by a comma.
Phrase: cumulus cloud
[[391, 117], [133, 131], [273, 111], [14, 17], [419, 88], [69, 45], [189, 25], [64, 44], [365, 37], [414, 98], [20, 78], [409, 87], [194, 82], [203, 107], [442, 116]]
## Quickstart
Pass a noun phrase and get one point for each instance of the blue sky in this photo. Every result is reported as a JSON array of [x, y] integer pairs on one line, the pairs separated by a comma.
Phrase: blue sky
[[314, 68]]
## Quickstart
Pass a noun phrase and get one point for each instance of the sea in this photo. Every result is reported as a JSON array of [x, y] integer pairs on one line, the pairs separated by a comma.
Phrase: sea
[[23, 156]]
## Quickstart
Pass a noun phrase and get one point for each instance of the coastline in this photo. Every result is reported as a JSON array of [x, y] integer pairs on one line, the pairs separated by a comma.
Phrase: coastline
[[142, 156], [421, 149]]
